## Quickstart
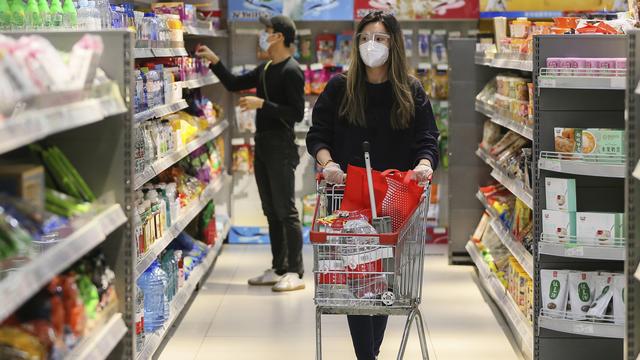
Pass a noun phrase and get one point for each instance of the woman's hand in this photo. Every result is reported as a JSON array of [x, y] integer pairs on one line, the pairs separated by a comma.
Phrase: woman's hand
[[203, 51], [250, 103], [333, 174], [422, 172]]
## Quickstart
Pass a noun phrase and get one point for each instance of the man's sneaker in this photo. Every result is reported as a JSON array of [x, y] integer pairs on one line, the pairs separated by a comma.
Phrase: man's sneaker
[[289, 282], [269, 277]]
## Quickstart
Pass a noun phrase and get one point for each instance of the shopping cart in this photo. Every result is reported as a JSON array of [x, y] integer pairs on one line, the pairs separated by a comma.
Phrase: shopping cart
[[368, 274]]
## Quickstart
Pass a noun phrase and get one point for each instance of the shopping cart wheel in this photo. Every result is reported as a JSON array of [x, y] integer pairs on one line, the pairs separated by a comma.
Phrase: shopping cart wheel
[[388, 298]]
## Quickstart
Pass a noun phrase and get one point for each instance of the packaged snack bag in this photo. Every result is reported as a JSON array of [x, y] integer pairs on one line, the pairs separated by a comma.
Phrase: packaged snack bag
[[581, 294], [554, 292], [604, 293]]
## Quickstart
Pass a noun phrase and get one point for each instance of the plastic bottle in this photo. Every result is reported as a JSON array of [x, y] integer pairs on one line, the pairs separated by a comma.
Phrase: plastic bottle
[[149, 147], [96, 22], [138, 231], [56, 13], [164, 33], [160, 78], [153, 283], [104, 9], [86, 16], [5, 15], [32, 18], [147, 223], [157, 213], [45, 13], [17, 15], [139, 319], [150, 29], [70, 16]]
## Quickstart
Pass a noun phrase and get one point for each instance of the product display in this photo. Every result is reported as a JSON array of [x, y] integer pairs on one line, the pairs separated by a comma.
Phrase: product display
[[589, 141], [70, 307]]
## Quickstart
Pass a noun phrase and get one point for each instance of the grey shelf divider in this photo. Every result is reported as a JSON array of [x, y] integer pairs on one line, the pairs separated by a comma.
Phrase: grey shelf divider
[[574, 108], [466, 170], [632, 199]]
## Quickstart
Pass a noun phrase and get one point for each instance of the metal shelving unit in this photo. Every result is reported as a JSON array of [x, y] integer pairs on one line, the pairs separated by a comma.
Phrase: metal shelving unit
[[181, 299], [198, 83], [632, 199], [515, 186], [575, 101], [161, 110], [503, 62], [147, 53]]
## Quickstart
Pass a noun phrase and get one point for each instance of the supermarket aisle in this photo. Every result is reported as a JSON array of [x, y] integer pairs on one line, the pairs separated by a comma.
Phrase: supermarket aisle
[[230, 320]]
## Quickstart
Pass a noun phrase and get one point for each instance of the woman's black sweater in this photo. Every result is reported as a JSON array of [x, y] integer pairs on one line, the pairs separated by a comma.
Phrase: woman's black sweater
[[399, 149]]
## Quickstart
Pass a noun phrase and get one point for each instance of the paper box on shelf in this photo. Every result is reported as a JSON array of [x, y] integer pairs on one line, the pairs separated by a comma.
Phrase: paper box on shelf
[[561, 224], [601, 228], [25, 181], [560, 194], [589, 141]]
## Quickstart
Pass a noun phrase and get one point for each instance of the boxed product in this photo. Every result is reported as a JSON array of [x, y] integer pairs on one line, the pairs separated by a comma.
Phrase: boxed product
[[424, 36], [25, 181], [408, 42], [561, 224], [589, 141], [560, 194], [603, 227]]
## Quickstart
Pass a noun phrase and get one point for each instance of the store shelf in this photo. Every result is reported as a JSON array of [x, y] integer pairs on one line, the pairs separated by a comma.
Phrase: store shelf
[[27, 280], [58, 112], [504, 121], [100, 343], [516, 187], [198, 83], [516, 248], [187, 214], [557, 321], [153, 340], [604, 79], [612, 166], [520, 326], [200, 31], [573, 247], [144, 53], [504, 62], [162, 164], [160, 111]]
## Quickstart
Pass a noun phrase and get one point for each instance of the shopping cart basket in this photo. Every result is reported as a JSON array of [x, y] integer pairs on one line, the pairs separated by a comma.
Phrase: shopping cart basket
[[368, 274]]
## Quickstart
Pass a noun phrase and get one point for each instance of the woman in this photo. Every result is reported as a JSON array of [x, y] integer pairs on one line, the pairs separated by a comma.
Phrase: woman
[[375, 101]]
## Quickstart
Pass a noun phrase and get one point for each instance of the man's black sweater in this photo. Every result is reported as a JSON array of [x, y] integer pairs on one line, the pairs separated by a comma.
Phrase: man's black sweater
[[285, 90], [399, 149]]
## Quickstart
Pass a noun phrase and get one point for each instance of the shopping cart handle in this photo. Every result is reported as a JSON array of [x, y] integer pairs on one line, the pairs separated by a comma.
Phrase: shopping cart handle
[[319, 176]]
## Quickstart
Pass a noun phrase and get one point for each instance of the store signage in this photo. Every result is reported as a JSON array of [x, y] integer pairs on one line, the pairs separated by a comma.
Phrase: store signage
[[546, 8], [309, 10], [420, 9]]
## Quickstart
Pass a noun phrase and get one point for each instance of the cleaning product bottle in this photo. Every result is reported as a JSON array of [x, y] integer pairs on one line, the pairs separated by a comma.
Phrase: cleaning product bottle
[[56, 13], [45, 13], [5, 15], [70, 16], [17, 15], [32, 18]]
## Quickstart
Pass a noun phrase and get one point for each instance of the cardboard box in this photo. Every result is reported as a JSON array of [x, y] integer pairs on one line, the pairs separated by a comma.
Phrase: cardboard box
[[601, 228], [560, 194], [589, 141], [25, 181], [561, 224]]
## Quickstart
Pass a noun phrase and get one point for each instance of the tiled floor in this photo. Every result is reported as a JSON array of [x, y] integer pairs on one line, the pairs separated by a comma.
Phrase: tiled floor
[[229, 320]]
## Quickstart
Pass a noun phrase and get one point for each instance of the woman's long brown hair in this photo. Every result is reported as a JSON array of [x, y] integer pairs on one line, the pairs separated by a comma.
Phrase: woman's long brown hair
[[354, 101]]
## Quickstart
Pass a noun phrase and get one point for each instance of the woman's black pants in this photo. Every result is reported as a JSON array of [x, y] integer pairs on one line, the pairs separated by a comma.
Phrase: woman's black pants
[[367, 333]]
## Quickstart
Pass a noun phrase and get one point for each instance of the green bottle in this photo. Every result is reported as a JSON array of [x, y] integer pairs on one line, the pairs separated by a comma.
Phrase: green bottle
[[56, 13], [17, 15], [45, 13], [5, 15], [69, 15], [32, 17]]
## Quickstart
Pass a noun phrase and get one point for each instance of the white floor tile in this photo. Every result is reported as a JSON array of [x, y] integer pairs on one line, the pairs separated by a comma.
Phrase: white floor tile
[[229, 320]]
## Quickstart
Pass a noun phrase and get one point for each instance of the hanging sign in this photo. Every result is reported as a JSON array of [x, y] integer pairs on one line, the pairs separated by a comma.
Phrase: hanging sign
[[308, 10]]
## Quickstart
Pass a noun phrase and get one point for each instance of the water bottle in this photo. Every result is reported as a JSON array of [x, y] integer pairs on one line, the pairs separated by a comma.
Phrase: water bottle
[[104, 9], [70, 15], [32, 18], [5, 16], [153, 283], [139, 319], [96, 22], [56, 13], [17, 15], [45, 13], [150, 29]]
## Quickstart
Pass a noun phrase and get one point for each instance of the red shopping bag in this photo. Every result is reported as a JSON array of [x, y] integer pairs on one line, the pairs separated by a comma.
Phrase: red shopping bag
[[402, 197], [397, 194]]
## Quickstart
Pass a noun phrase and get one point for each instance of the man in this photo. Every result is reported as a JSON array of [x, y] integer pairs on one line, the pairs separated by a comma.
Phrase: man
[[279, 104]]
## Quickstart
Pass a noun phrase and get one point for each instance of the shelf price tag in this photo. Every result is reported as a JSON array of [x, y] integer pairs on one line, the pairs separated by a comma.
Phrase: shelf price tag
[[583, 329], [618, 82], [545, 82], [577, 251]]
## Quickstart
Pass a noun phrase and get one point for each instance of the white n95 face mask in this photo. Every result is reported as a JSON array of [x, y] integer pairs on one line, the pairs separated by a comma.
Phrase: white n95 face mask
[[373, 54], [264, 41]]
